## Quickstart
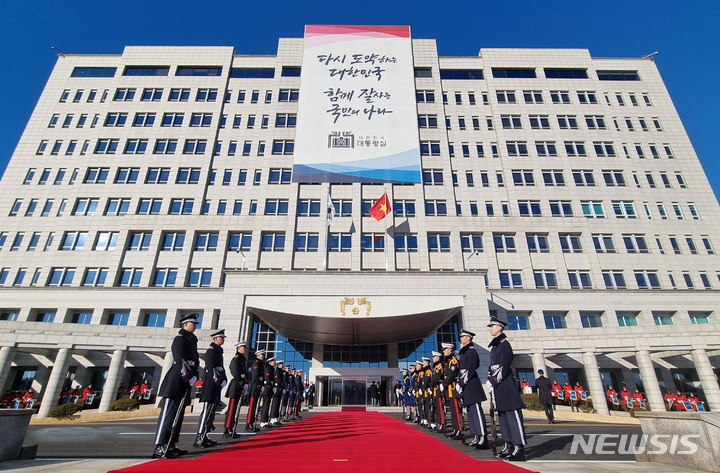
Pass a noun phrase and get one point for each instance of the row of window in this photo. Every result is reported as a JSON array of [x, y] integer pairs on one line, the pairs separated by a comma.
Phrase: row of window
[[541, 122], [130, 175], [533, 97], [172, 119], [163, 146], [589, 319], [177, 95], [528, 73], [148, 317], [202, 277], [308, 241], [603, 149]]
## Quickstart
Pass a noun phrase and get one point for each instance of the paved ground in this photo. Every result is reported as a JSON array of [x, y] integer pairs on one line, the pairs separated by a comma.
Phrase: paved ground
[[101, 446]]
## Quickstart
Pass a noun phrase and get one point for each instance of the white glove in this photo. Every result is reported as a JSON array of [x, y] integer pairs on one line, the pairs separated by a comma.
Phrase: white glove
[[224, 383], [442, 388], [488, 385], [458, 388], [193, 380]]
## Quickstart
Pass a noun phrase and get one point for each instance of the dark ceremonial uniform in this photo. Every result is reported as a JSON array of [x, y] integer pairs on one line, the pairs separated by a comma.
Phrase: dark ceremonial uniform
[[298, 396], [256, 372], [174, 389], [427, 393], [292, 397], [288, 387], [238, 370], [438, 375], [508, 402], [278, 390], [451, 395], [419, 399], [213, 382], [408, 395], [472, 390], [545, 392], [267, 392]]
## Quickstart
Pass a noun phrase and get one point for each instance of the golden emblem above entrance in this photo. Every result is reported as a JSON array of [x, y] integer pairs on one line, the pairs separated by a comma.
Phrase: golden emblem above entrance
[[350, 301]]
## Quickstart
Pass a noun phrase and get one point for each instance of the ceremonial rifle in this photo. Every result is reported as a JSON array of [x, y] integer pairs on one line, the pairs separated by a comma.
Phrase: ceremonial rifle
[[493, 424]]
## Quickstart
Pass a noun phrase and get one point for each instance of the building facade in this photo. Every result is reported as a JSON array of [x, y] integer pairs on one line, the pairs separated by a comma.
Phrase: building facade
[[559, 192]]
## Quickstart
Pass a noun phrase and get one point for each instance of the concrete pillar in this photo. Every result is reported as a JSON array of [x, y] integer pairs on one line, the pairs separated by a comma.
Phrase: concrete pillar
[[707, 379], [595, 387], [112, 382], [7, 353], [538, 361], [54, 385], [650, 381]]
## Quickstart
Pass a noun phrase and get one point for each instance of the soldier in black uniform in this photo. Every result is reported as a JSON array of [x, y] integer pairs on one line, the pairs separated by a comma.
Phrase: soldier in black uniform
[[267, 391], [238, 370], [427, 392], [299, 394], [257, 371], [176, 387], [438, 374], [507, 395], [278, 389], [288, 387], [452, 397], [419, 376], [471, 389], [214, 380]]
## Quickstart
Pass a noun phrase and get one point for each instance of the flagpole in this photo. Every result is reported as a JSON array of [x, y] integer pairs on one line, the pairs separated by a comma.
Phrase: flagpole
[[387, 201]]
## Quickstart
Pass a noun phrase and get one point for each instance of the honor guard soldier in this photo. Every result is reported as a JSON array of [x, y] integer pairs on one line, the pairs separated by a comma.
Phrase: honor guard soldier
[[427, 392], [175, 389], [299, 391], [256, 372], [292, 397], [238, 370], [214, 380], [267, 391], [438, 375], [472, 392], [452, 397], [284, 416], [419, 376], [408, 397], [508, 402], [278, 390]]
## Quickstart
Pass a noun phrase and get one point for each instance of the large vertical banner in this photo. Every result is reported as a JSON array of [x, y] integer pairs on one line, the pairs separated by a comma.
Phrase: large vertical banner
[[357, 117]]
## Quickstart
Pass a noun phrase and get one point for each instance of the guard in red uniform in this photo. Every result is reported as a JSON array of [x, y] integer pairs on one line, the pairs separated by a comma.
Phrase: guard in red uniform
[[680, 401], [30, 394], [578, 392], [669, 401], [626, 399], [86, 392]]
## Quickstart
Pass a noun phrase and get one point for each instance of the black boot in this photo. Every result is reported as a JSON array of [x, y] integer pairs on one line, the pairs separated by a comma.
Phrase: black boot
[[172, 449], [199, 440], [160, 452], [505, 452], [227, 434], [518, 454], [483, 444]]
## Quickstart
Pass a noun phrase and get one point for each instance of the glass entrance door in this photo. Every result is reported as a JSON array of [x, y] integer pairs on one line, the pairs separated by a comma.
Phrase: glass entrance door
[[354, 392], [351, 390]]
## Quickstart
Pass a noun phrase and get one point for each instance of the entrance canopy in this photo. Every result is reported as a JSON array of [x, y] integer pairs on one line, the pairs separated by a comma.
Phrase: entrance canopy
[[364, 320]]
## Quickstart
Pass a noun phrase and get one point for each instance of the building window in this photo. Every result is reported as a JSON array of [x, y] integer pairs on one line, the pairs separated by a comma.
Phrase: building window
[[276, 207], [627, 319], [561, 208], [529, 208], [273, 242], [567, 122], [699, 317], [579, 279], [545, 279], [404, 208], [127, 175], [206, 95], [405, 242], [427, 121], [173, 241], [307, 242], [164, 277], [510, 279], [570, 243], [504, 243], [635, 244], [239, 241], [432, 177], [155, 319], [117, 207], [106, 146], [539, 122], [130, 277], [61, 276], [517, 148], [506, 96], [575, 148], [280, 176], [554, 321], [206, 242], [149, 207], [153, 95], [647, 279], [614, 279], [194, 146], [430, 148], [106, 241], [471, 242], [372, 242], [523, 178], [537, 243], [592, 209], [663, 318], [435, 208], [604, 243], [533, 96], [624, 209], [124, 95], [604, 149], [165, 147], [86, 207], [339, 242], [201, 119], [518, 322], [284, 147], [308, 208], [200, 277], [438, 242], [511, 122], [181, 206]]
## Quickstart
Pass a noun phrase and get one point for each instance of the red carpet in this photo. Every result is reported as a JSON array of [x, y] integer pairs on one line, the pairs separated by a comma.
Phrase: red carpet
[[342, 442]]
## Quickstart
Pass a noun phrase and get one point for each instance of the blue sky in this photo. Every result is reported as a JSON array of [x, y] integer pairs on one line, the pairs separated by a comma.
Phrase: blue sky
[[684, 33]]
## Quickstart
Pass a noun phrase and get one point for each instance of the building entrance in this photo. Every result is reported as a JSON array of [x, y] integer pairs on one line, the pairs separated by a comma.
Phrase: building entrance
[[352, 390]]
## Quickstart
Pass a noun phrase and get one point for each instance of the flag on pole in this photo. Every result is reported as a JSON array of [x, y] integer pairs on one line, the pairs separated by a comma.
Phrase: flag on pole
[[330, 211], [381, 208]]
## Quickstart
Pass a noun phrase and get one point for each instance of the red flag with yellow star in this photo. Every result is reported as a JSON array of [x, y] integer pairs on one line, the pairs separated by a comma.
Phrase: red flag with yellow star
[[381, 208]]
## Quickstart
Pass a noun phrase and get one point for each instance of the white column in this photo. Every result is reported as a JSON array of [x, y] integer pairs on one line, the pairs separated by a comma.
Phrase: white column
[[113, 379], [707, 378], [649, 381], [595, 387], [538, 361], [7, 353], [54, 385]]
